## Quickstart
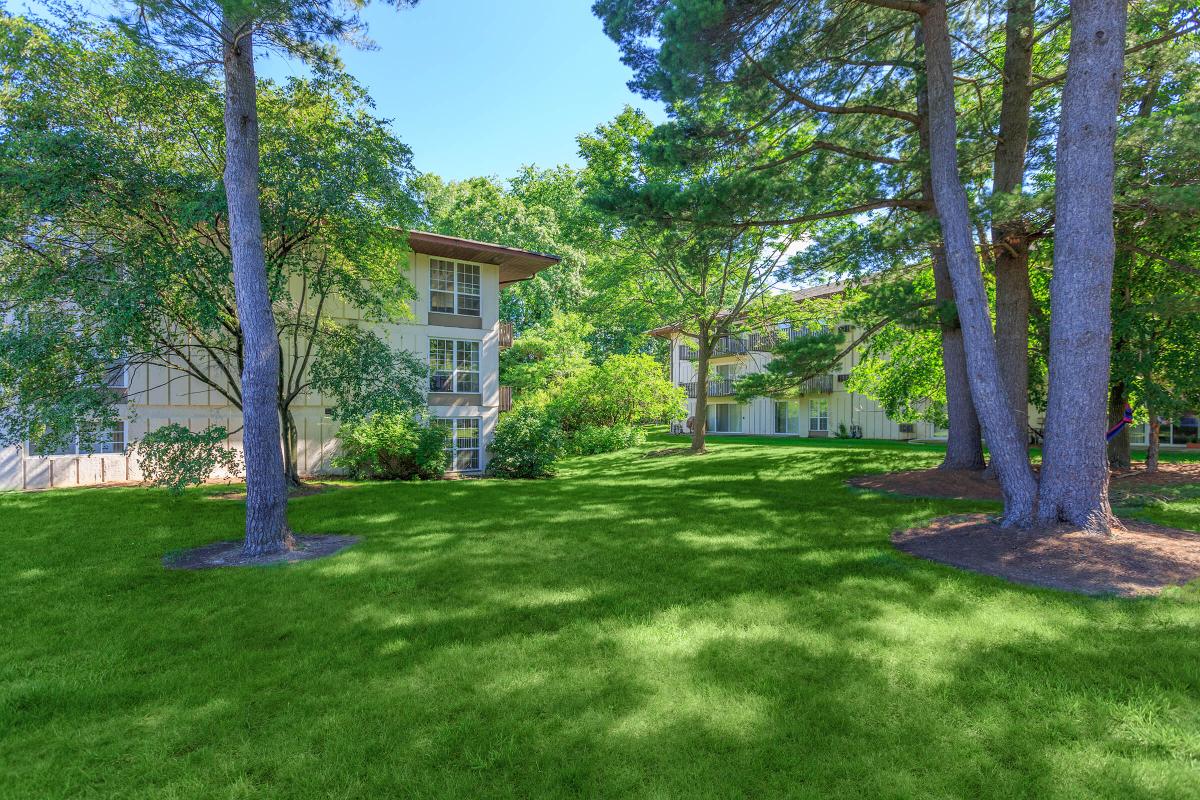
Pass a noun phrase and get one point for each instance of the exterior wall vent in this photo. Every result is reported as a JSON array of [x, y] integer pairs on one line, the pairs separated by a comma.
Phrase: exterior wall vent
[[907, 427], [843, 377]]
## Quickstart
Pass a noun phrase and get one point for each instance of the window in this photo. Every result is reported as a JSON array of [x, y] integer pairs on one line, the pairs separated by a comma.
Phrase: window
[[462, 442], [787, 416], [724, 371], [818, 416], [453, 287], [117, 375], [725, 418], [106, 442], [453, 366]]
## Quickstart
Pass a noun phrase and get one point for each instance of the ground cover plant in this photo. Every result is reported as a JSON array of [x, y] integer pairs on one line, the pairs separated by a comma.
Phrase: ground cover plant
[[728, 625]]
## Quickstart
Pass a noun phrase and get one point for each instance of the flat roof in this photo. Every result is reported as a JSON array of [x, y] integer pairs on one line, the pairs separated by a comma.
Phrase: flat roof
[[515, 264]]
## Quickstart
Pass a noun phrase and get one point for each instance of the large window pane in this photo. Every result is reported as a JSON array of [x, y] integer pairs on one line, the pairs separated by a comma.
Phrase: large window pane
[[467, 367], [441, 365], [818, 416], [441, 286]]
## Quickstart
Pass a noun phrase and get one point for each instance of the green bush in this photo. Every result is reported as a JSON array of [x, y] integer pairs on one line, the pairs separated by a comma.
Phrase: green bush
[[527, 443], [592, 440], [392, 447], [174, 457], [624, 391]]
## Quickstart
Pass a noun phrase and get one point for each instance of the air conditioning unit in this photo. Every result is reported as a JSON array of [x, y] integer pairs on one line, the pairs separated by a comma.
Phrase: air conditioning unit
[[907, 427], [844, 328], [843, 377]]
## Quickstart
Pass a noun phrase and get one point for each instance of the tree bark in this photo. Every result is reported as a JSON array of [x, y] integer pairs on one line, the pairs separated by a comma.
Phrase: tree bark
[[1009, 237], [1152, 441], [291, 442], [964, 443], [1118, 446], [704, 349], [266, 492], [1074, 483], [1010, 455]]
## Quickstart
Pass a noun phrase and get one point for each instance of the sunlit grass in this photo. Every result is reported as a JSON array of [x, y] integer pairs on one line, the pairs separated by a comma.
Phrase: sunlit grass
[[732, 625]]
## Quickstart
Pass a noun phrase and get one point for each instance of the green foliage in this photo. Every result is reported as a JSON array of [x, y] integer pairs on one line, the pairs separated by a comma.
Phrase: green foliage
[[112, 205], [173, 457], [794, 361], [364, 376], [590, 440], [392, 446], [622, 391], [547, 354], [902, 371], [527, 443]]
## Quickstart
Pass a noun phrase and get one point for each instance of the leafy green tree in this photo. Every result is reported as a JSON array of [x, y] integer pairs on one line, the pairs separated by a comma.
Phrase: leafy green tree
[[547, 354], [623, 390], [115, 237]]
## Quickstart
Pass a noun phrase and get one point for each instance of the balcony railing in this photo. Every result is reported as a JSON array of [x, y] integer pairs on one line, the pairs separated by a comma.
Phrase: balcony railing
[[506, 334], [821, 384], [505, 399], [741, 344], [720, 387]]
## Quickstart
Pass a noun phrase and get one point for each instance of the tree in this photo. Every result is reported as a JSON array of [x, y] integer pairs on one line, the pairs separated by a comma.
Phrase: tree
[[200, 31], [681, 256], [623, 390], [1074, 481], [547, 354], [116, 223]]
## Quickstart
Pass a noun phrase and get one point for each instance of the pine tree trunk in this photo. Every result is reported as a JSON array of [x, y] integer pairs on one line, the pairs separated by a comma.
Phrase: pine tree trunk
[[1010, 238], [291, 442], [266, 494], [1010, 455], [1074, 483], [700, 416], [964, 444]]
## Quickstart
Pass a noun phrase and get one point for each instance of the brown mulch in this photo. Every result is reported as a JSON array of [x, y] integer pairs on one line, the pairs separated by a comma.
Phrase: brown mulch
[[1140, 560], [961, 484], [229, 554], [670, 451]]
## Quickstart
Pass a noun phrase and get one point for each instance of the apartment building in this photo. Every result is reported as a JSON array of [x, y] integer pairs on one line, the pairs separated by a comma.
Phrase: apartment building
[[823, 407], [455, 321]]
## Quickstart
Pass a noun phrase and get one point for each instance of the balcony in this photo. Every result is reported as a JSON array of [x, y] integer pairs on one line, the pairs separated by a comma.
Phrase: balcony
[[505, 399], [506, 334], [821, 384], [741, 344], [720, 387]]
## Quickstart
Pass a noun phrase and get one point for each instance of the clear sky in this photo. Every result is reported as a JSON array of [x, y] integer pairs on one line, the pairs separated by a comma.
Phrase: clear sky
[[478, 87], [481, 87]]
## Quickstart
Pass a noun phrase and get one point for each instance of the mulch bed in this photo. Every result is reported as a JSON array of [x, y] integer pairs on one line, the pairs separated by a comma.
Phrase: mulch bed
[[959, 484], [229, 554], [1140, 560]]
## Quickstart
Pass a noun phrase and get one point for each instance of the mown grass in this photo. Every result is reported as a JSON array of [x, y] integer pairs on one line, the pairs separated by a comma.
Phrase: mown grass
[[732, 625]]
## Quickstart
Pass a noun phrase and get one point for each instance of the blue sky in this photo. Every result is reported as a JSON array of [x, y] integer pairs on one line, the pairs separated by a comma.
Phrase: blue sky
[[481, 87]]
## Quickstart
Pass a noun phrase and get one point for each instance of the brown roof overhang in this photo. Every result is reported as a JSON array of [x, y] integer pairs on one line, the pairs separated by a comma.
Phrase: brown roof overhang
[[515, 264]]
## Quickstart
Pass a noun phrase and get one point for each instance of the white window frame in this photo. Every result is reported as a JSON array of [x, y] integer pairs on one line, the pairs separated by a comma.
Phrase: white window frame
[[74, 449], [456, 371], [818, 415], [458, 289], [453, 449], [123, 380], [713, 409], [788, 419]]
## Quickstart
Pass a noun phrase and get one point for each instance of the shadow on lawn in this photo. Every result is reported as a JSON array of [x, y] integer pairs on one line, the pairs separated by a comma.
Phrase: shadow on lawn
[[736, 624]]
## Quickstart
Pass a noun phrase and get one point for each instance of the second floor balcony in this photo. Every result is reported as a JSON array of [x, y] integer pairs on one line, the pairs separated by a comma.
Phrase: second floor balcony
[[740, 344], [724, 387]]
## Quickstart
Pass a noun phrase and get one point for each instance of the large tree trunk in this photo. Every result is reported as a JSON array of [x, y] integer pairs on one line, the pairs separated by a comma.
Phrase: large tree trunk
[[1010, 456], [704, 348], [1074, 484], [291, 448], [1009, 237], [266, 494], [964, 443]]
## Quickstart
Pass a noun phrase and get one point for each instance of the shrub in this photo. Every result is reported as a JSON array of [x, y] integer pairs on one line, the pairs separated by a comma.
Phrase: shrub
[[392, 447], [174, 457], [625, 390], [527, 443], [592, 440]]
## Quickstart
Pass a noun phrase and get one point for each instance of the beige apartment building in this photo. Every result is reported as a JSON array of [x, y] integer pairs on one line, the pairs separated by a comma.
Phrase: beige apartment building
[[824, 407], [455, 322]]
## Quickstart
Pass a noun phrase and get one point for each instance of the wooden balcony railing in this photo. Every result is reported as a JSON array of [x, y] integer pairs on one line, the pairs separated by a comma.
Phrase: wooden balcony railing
[[506, 334], [821, 384], [720, 387], [505, 399]]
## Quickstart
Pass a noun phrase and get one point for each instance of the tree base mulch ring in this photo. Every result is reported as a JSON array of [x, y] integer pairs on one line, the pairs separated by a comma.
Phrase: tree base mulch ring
[[229, 554], [964, 484], [1142, 559]]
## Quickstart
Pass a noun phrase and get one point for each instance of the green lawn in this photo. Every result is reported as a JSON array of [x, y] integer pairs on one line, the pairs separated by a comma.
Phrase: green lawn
[[734, 625]]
